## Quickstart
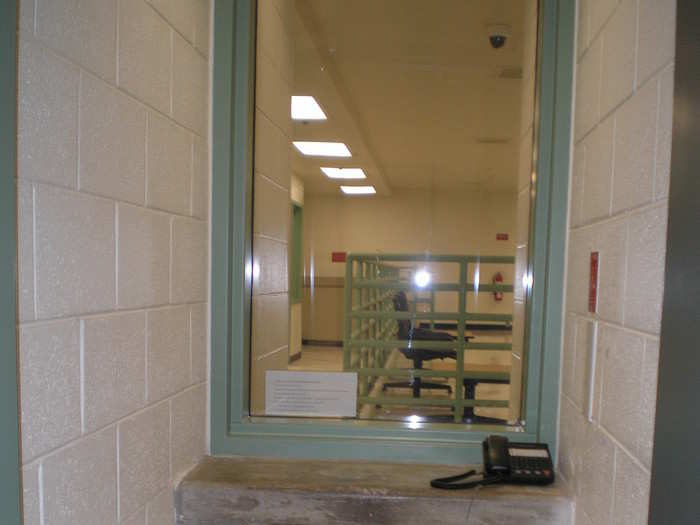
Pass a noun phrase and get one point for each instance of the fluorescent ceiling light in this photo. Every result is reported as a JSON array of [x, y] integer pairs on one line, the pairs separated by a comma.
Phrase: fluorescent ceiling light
[[358, 190], [323, 149], [344, 173], [306, 108]]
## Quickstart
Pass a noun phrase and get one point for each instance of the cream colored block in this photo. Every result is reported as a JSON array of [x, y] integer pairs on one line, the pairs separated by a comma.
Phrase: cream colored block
[[647, 412], [114, 367], [635, 139], [161, 510], [271, 209], [527, 103], [200, 179], [597, 183], [569, 422], [273, 94], [619, 41], [144, 458], [276, 361], [577, 183], [143, 270], [26, 17], [189, 264], [30, 496], [112, 142], [568, 367], [168, 352], [657, 36], [80, 482], [600, 12], [584, 332], [597, 458], [189, 414], [75, 263], [47, 117], [274, 39], [190, 87], [137, 519], [270, 324], [49, 362], [271, 151], [181, 14], [621, 353], [25, 251], [587, 104], [296, 190], [269, 266], [631, 491], [583, 23], [198, 342], [83, 31], [169, 165], [645, 269], [202, 28], [144, 54], [664, 134], [525, 161], [522, 225]]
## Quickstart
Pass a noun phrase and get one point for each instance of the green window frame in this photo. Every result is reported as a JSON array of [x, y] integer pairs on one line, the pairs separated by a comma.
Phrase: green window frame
[[233, 430], [10, 493], [296, 256]]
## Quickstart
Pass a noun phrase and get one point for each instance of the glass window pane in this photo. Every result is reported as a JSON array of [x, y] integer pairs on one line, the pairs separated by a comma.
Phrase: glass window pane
[[392, 201]]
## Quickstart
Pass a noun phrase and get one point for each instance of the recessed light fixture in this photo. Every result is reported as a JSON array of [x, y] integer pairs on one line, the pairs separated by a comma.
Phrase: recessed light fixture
[[306, 108], [358, 190], [344, 173], [323, 149]]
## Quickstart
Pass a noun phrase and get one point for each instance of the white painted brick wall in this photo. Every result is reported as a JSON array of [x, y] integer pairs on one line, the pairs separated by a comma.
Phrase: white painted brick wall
[[619, 188], [113, 193]]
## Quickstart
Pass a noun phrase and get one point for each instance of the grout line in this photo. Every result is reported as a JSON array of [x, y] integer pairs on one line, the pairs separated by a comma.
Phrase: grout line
[[34, 255], [119, 491], [146, 347], [117, 40], [40, 474], [123, 91], [622, 214], [82, 377], [80, 101], [116, 313], [113, 425], [116, 255], [172, 73], [87, 193], [146, 167]]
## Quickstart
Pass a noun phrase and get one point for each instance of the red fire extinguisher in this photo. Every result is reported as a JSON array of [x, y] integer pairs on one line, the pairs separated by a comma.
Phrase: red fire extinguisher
[[497, 279]]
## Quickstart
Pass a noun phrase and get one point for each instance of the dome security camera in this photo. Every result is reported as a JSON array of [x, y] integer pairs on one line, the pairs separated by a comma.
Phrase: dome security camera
[[498, 34]]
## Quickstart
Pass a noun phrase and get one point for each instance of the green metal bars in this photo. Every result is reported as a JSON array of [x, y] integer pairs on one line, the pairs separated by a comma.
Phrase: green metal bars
[[371, 281]]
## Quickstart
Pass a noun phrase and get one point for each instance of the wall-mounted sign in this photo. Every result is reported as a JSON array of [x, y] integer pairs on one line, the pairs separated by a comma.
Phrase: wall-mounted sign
[[338, 257]]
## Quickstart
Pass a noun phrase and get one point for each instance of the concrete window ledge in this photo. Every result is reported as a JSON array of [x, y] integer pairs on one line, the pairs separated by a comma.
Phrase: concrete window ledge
[[247, 491]]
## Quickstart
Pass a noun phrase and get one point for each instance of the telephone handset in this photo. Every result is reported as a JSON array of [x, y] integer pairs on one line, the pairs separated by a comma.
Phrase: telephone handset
[[506, 462]]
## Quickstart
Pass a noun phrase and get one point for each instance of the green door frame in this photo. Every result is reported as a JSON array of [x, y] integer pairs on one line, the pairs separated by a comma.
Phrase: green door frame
[[10, 498], [233, 431]]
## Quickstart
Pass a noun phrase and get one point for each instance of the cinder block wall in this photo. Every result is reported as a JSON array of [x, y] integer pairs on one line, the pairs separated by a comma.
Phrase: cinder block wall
[[113, 179], [619, 207]]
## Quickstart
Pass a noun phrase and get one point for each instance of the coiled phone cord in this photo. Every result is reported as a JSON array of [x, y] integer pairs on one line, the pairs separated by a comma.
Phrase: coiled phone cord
[[448, 483]]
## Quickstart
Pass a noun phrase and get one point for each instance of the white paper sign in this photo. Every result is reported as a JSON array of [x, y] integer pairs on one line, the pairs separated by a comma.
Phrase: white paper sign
[[313, 394]]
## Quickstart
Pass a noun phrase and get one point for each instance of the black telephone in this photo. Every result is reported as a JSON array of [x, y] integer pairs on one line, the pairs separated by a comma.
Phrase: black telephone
[[506, 462]]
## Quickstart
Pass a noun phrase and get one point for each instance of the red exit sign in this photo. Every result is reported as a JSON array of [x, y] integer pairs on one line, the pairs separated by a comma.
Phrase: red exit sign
[[501, 236], [338, 257], [593, 283]]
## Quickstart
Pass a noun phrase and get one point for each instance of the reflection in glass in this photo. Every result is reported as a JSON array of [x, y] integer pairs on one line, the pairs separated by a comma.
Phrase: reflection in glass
[[392, 195]]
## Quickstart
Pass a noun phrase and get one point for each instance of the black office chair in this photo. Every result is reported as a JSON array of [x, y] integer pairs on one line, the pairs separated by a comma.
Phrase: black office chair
[[407, 332]]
